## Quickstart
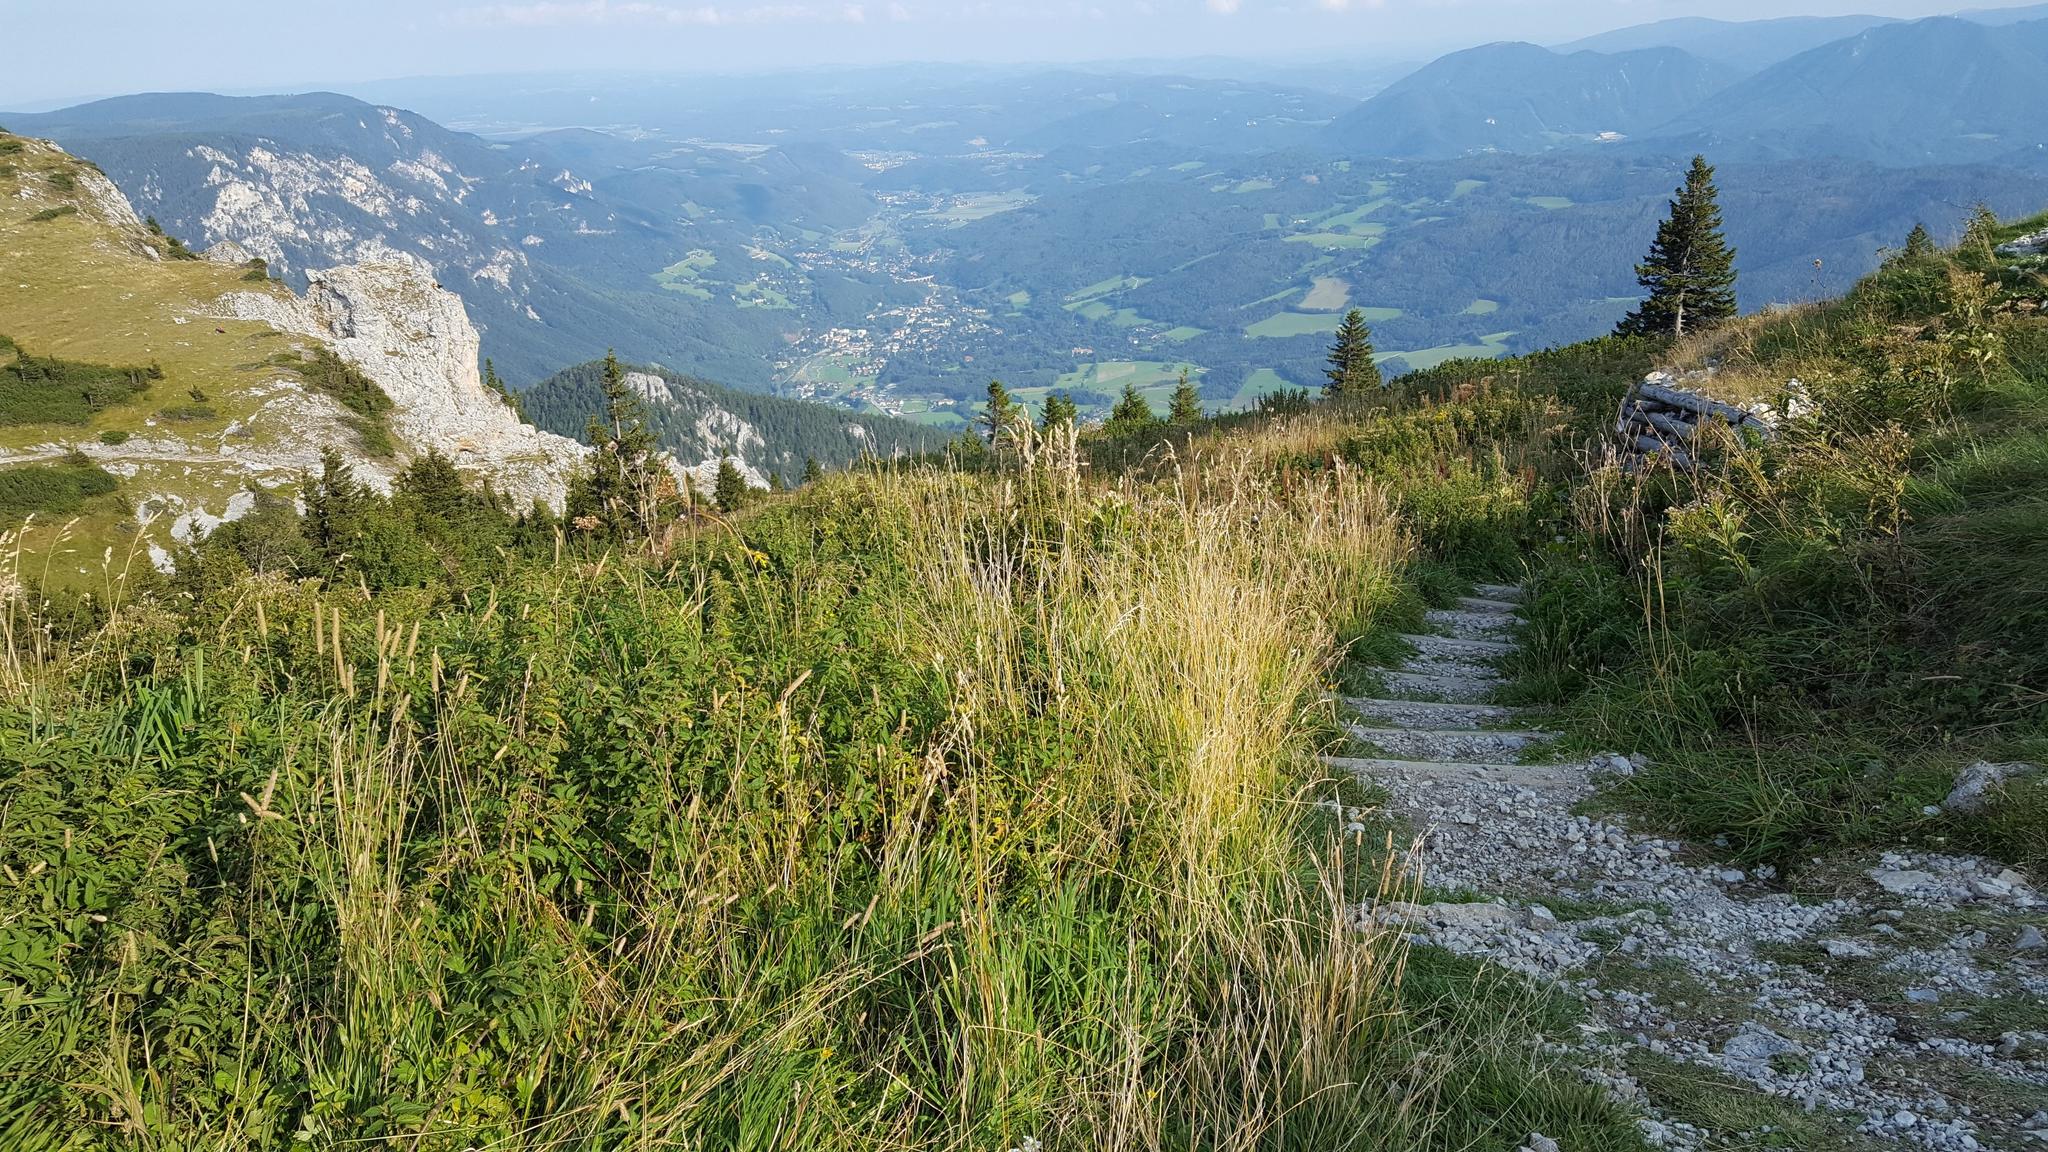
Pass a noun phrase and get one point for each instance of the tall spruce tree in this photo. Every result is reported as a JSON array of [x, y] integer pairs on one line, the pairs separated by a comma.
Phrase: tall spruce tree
[[1186, 406], [1352, 371], [1132, 415], [1919, 244], [731, 489], [1690, 271], [1059, 411], [999, 417], [813, 471], [617, 496]]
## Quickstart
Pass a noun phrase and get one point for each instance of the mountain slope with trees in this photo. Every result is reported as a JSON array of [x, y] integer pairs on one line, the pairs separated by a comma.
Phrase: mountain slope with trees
[[699, 421]]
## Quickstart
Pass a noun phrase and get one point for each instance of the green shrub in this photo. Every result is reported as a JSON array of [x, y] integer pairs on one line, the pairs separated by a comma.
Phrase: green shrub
[[49, 214], [174, 248], [63, 182], [184, 412], [50, 390], [50, 490], [114, 436]]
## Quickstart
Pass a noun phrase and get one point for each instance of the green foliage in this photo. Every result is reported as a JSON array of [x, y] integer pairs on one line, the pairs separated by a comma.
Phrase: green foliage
[[1000, 415], [173, 247], [496, 383], [348, 386], [828, 831], [50, 490], [114, 436], [1690, 271], [49, 214], [49, 390], [63, 182], [1808, 640], [1060, 411], [620, 497], [343, 382], [1352, 373], [1132, 417], [1185, 409], [730, 490], [791, 430], [813, 471]]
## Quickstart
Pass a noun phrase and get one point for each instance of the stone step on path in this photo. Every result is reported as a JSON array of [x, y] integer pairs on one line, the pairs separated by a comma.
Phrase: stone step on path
[[1448, 743], [1432, 687], [1430, 714], [1797, 1031], [1461, 624], [1451, 646]]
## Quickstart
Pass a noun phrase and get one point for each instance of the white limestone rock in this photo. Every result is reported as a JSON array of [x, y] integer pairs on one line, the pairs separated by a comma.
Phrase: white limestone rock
[[388, 317]]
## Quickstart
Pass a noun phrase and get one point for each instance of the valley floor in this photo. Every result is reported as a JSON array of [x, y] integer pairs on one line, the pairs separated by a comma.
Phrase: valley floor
[[1898, 996]]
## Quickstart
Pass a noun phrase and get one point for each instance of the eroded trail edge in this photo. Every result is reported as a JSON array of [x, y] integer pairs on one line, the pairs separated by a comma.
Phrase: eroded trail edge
[[1901, 994]]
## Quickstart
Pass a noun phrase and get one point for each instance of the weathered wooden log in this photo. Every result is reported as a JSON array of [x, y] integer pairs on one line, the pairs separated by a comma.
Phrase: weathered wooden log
[[1662, 422], [1679, 457], [1692, 403]]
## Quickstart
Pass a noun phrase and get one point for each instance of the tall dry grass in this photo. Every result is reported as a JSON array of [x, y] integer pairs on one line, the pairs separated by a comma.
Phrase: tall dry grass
[[618, 857]]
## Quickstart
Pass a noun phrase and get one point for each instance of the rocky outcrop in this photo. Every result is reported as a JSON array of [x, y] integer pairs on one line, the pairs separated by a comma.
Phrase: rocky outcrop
[[389, 317], [736, 439], [2032, 244]]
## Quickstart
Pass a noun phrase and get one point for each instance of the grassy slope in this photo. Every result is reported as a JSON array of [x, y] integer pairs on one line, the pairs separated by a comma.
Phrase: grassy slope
[[918, 809], [1812, 640], [79, 287]]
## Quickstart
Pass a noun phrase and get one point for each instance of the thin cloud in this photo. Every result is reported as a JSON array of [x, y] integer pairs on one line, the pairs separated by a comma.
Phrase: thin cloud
[[642, 13]]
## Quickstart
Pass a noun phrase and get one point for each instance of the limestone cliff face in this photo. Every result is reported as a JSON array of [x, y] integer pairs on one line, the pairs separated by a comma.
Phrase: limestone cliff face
[[391, 319]]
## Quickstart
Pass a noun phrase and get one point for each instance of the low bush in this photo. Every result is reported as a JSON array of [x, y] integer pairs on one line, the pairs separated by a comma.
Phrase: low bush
[[50, 390], [50, 490]]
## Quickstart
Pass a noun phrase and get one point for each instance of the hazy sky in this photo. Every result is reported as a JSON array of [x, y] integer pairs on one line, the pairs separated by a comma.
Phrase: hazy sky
[[61, 49]]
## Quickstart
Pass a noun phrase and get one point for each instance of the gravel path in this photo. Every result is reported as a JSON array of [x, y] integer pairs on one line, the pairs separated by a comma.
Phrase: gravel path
[[1906, 998]]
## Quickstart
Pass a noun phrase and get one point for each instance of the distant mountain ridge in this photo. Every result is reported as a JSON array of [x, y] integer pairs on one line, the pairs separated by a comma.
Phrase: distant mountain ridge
[[1751, 45], [1941, 90], [1514, 97]]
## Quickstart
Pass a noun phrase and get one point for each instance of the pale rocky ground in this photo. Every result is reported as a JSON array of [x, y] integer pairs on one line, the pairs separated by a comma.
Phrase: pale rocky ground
[[1877, 994], [389, 317]]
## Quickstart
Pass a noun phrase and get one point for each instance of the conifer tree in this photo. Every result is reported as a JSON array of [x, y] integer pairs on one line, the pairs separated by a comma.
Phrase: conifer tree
[[1059, 411], [1352, 371], [1131, 415], [1690, 271], [730, 490], [1000, 414], [813, 471], [1186, 408], [334, 506], [617, 496], [775, 483], [1919, 244], [496, 383]]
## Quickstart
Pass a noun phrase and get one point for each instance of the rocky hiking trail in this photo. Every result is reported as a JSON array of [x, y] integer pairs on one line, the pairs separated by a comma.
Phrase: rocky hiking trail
[[1893, 1000]]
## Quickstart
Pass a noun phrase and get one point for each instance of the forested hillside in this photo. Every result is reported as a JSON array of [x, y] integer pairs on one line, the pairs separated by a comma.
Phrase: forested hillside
[[698, 420]]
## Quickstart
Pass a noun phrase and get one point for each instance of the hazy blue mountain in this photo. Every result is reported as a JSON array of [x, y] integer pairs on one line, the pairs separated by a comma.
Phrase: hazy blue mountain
[[1933, 91], [1514, 97], [556, 258], [1751, 45], [2001, 16]]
